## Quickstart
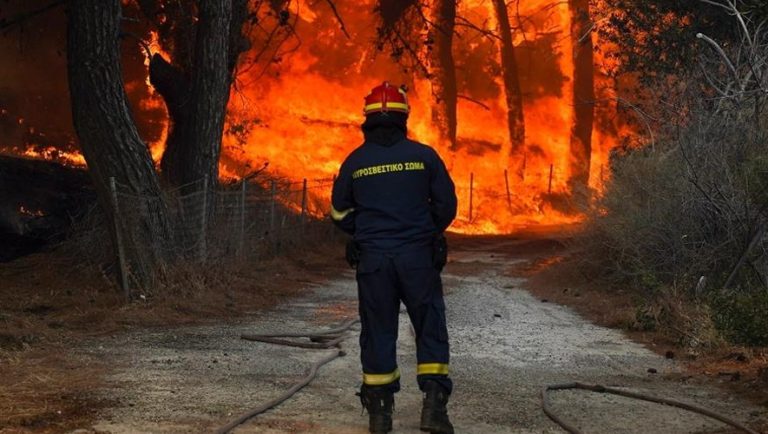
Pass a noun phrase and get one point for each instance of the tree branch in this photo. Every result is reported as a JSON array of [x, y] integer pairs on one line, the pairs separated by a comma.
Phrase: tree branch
[[338, 18], [461, 21], [719, 51], [481, 104]]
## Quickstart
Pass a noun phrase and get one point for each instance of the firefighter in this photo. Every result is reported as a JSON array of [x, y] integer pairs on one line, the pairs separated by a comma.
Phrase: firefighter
[[395, 197]]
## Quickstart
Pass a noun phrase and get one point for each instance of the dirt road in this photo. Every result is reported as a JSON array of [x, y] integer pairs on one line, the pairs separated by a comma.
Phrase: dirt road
[[506, 345]]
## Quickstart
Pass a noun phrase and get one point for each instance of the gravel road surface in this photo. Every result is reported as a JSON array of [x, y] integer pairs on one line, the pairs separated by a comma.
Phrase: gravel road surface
[[506, 345]]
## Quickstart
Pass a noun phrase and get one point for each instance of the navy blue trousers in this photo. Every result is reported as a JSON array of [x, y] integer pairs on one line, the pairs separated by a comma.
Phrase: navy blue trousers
[[383, 280]]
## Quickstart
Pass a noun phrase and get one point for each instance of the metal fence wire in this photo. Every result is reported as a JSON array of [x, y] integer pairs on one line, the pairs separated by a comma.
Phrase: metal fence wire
[[246, 221]]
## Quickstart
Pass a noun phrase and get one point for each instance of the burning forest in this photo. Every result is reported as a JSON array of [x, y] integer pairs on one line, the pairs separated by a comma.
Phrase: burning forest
[[516, 97], [182, 179]]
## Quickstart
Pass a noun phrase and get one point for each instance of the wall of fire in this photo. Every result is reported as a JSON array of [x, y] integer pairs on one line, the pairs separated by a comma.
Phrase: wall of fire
[[300, 109]]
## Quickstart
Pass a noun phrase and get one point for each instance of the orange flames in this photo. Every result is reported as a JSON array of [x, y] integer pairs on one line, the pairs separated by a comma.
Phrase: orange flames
[[155, 101], [54, 154], [302, 112], [303, 116], [30, 212]]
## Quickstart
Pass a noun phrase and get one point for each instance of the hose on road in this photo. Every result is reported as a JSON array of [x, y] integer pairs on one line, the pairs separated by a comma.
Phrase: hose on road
[[602, 389], [320, 340]]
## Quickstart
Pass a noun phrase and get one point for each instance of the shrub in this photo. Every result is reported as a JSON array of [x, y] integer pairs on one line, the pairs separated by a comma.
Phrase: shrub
[[695, 202]]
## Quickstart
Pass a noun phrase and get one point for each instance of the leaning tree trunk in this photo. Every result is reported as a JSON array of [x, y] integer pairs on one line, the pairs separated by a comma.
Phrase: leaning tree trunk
[[102, 118], [514, 96], [583, 96], [198, 106], [442, 71]]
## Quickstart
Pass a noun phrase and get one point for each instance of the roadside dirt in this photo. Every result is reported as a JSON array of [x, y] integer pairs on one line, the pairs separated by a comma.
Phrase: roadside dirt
[[51, 309], [551, 274], [506, 345]]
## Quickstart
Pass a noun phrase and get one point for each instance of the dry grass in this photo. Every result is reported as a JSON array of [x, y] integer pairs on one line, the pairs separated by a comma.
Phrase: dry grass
[[666, 323], [46, 389], [50, 304]]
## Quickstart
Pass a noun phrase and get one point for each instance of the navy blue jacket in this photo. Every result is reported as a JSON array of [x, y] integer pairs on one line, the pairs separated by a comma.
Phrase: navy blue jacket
[[393, 198]]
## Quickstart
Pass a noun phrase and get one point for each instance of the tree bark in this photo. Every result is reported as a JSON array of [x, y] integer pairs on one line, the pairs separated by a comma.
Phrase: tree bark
[[514, 97], [583, 95], [442, 71], [196, 92], [102, 118], [197, 105]]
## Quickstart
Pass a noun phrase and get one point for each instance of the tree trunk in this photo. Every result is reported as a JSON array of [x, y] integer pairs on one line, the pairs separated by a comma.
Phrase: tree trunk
[[583, 96], [514, 97], [102, 119], [197, 105], [196, 91], [442, 71]]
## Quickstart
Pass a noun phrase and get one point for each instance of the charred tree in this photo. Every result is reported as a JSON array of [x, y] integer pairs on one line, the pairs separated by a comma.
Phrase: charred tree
[[583, 96], [196, 86], [442, 70], [514, 97], [102, 118]]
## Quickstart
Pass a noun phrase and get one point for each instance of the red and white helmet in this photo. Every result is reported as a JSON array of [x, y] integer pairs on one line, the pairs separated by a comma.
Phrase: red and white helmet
[[386, 98]]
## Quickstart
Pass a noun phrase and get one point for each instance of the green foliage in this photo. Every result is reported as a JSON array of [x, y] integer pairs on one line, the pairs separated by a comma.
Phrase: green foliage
[[685, 209], [742, 317], [756, 178], [654, 39], [695, 203]]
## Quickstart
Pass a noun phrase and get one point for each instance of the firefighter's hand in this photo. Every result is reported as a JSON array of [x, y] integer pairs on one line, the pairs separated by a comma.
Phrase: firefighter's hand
[[439, 252], [353, 254]]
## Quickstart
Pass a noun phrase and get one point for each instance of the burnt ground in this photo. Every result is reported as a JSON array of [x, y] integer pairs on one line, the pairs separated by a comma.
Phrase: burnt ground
[[110, 372]]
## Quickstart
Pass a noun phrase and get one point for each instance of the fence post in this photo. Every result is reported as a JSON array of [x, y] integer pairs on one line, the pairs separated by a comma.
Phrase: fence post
[[509, 195], [272, 215], [272, 199], [123, 269], [303, 205], [551, 170], [332, 227], [471, 193], [204, 220], [241, 247]]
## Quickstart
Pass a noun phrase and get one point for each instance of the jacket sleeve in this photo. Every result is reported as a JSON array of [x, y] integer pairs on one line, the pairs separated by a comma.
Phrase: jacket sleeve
[[343, 201], [442, 194]]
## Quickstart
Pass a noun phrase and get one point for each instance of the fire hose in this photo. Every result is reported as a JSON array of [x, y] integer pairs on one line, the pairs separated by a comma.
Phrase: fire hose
[[333, 337], [321, 340], [602, 389]]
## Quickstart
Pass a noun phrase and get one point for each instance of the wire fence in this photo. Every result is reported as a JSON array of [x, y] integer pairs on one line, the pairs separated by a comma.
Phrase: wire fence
[[206, 224], [202, 223]]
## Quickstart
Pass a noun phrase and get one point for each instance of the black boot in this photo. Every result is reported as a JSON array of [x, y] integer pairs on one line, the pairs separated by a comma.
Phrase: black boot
[[379, 404], [434, 415]]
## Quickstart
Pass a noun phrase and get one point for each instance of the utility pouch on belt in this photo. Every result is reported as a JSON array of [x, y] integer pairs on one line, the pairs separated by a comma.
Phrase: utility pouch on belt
[[353, 253], [439, 252]]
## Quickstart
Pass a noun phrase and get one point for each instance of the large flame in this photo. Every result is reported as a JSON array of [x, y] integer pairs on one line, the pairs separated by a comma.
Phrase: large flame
[[303, 115], [300, 110]]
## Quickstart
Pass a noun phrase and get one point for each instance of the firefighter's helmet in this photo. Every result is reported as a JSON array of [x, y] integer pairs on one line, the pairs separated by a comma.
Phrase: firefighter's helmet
[[386, 98]]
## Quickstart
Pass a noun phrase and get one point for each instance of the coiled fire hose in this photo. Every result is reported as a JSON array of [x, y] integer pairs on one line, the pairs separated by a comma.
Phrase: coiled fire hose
[[320, 340], [602, 389]]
